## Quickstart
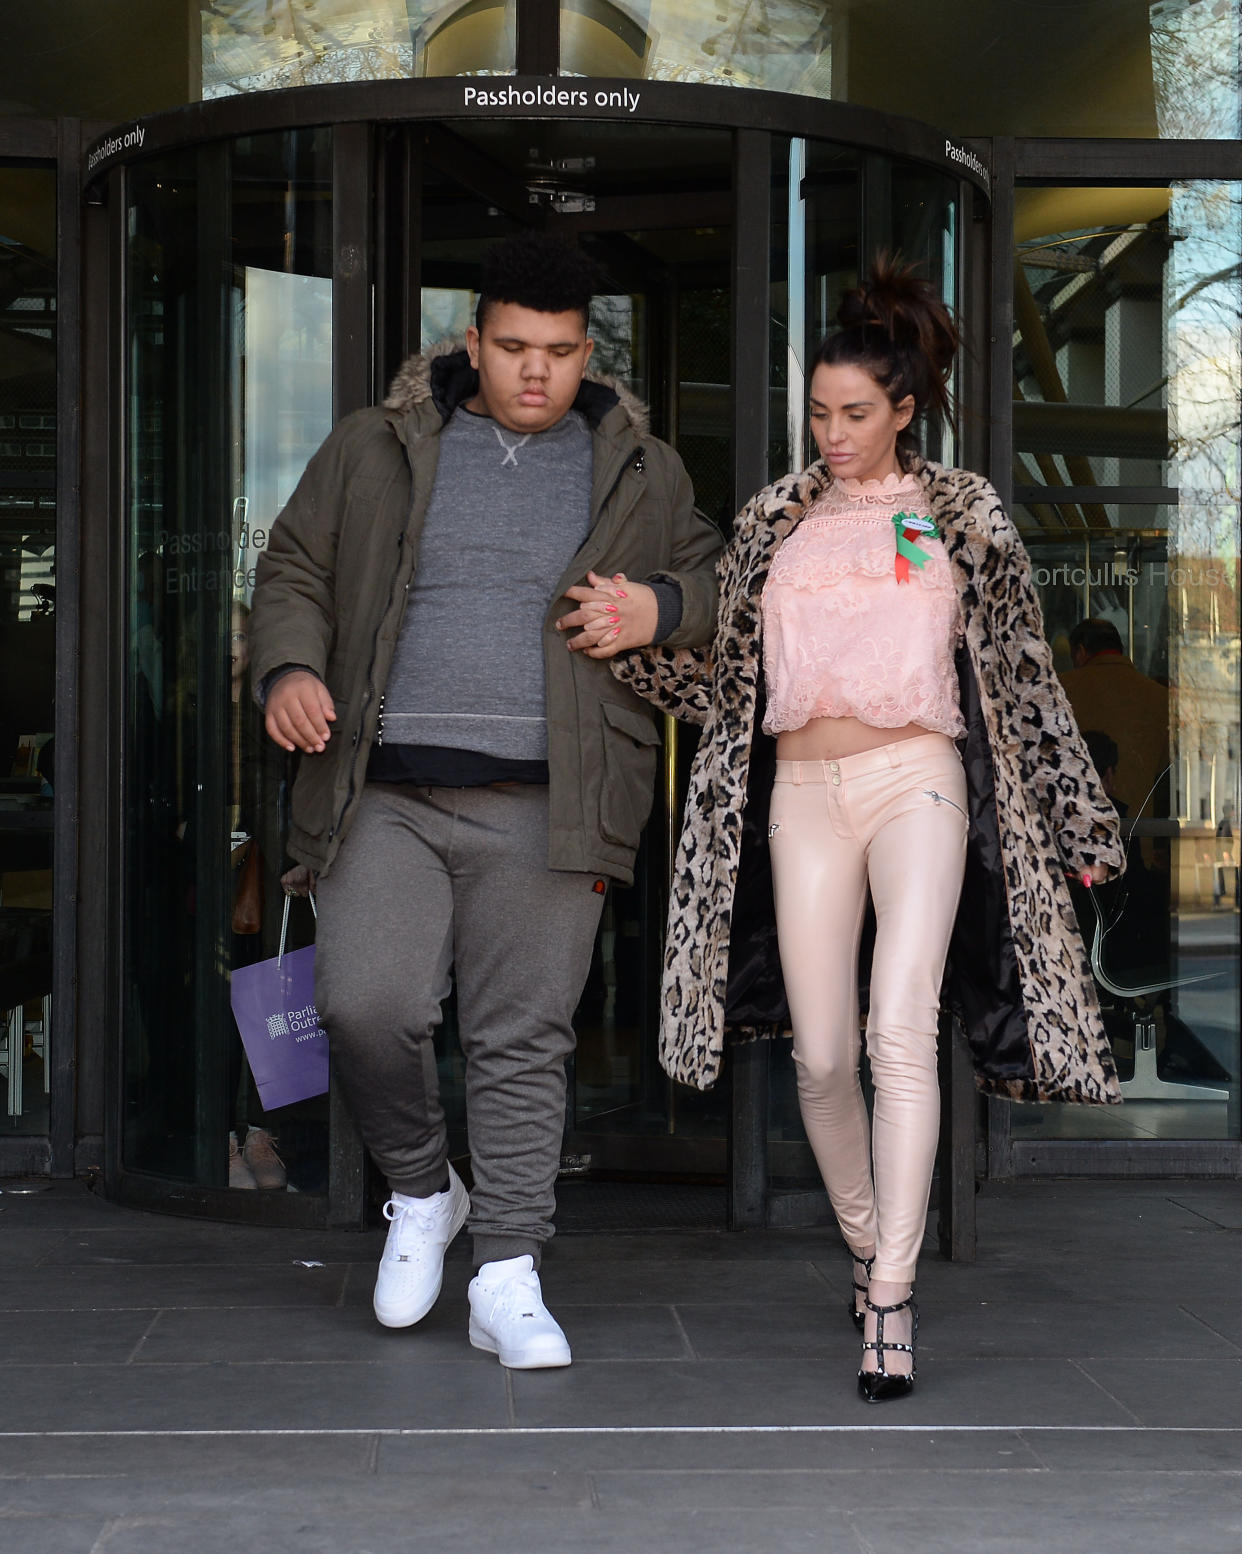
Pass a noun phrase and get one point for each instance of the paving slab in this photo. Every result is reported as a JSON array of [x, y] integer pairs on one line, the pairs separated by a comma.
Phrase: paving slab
[[271, 1396], [86, 1288], [59, 1338], [52, 1534], [690, 1450], [179, 1242], [1024, 1493], [218, 1457], [549, 1532], [997, 1394], [1165, 1392], [1109, 1528], [1152, 1450]]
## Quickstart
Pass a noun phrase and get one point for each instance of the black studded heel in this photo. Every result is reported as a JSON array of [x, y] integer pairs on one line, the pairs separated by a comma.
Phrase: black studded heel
[[878, 1386], [859, 1318]]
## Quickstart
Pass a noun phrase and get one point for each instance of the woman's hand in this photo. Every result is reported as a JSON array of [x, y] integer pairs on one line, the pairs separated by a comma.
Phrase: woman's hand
[[614, 615]]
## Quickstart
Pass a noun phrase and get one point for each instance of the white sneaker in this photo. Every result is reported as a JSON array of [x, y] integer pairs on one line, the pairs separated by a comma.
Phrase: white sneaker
[[508, 1317], [412, 1267]]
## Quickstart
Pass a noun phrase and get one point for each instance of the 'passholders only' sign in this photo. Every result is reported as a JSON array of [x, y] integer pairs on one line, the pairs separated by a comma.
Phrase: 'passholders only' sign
[[546, 95], [126, 140]]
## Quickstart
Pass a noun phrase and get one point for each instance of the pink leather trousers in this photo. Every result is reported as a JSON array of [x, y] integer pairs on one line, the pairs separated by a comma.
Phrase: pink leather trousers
[[894, 819]]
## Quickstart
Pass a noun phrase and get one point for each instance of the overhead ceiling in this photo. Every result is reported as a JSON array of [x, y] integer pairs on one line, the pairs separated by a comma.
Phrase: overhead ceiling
[[98, 59]]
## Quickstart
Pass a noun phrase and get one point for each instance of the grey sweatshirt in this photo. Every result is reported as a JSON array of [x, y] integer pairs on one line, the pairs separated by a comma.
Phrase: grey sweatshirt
[[508, 512]]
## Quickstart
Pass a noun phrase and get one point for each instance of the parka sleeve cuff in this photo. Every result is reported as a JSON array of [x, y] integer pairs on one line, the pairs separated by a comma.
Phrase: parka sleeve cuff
[[668, 605]]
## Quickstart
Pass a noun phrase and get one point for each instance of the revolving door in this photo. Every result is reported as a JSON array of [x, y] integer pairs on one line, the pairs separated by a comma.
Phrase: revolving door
[[268, 268]]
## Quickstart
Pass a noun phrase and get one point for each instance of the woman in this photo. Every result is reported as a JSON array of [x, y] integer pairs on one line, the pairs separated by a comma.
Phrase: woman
[[878, 636]]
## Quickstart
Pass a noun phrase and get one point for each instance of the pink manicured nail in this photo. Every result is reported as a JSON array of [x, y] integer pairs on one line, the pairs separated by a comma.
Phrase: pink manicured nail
[[1086, 879], [621, 594], [616, 633]]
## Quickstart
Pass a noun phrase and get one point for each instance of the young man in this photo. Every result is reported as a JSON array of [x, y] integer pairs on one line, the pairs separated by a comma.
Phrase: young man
[[431, 628]]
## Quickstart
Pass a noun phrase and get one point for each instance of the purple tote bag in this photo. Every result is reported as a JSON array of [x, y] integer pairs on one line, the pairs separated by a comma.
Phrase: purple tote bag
[[274, 1006]]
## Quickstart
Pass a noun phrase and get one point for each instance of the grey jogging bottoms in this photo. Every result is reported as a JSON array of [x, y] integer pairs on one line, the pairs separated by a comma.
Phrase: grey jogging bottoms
[[430, 879]]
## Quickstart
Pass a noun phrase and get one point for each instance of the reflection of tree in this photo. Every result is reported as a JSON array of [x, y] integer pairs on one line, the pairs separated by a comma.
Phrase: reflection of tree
[[1194, 57], [264, 45], [1204, 312], [777, 45], [613, 330]]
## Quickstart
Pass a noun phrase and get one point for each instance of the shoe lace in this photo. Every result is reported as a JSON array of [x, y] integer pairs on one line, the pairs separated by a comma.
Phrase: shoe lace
[[412, 1221], [261, 1145], [520, 1296]]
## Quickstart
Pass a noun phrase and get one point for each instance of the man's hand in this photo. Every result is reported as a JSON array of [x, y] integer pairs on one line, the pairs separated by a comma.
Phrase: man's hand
[[298, 881], [298, 712], [614, 615]]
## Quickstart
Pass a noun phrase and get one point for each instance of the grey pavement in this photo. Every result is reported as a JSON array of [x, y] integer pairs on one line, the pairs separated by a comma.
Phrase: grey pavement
[[172, 1387]]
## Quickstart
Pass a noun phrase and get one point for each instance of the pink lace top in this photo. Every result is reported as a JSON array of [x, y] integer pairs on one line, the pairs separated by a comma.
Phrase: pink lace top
[[842, 638]]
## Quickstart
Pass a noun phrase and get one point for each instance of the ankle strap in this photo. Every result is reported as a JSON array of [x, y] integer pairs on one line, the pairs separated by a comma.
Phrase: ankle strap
[[901, 1305]]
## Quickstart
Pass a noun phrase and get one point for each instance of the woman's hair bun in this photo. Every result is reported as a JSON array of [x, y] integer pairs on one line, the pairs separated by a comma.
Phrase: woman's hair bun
[[895, 326], [894, 298]]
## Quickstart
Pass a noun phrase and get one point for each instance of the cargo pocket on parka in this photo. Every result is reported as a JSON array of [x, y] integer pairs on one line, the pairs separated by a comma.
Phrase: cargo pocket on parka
[[627, 777], [316, 789]]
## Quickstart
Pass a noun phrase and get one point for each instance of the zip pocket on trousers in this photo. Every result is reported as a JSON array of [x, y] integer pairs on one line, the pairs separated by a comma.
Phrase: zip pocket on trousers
[[940, 798]]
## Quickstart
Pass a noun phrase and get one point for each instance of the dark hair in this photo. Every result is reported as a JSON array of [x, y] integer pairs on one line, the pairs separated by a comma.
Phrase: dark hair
[[1096, 635], [896, 329], [1102, 748], [540, 272]]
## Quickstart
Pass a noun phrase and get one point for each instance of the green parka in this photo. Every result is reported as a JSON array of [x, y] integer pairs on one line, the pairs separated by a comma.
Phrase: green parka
[[332, 585]]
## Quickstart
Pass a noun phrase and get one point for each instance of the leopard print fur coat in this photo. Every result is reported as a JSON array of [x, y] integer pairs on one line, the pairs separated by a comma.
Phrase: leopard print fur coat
[[1018, 976]]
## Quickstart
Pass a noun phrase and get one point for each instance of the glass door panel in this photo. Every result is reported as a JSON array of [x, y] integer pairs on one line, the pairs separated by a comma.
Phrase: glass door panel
[[1126, 474], [229, 357], [27, 639]]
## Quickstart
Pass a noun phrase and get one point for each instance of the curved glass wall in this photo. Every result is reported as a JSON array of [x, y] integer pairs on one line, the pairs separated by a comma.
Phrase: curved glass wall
[[229, 347], [1128, 464]]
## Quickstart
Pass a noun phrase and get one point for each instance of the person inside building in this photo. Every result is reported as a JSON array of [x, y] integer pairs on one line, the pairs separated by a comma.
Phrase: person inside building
[[1107, 690], [431, 631], [881, 718]]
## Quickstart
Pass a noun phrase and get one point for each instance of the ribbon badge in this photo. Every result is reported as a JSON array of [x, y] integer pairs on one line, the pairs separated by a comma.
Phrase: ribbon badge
[[908, 527]]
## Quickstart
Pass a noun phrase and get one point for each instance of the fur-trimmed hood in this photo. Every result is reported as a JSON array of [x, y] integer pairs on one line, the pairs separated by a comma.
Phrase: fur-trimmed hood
[[443, 375]]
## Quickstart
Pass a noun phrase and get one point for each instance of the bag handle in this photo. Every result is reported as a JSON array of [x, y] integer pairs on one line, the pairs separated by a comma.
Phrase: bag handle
[[284, 923]]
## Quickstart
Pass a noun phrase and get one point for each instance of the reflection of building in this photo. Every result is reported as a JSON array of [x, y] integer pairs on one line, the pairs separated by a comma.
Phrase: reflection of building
[[245, 270]]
